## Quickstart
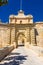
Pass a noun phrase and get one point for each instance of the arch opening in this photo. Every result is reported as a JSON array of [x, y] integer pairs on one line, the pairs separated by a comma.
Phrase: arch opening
[[21, 39]]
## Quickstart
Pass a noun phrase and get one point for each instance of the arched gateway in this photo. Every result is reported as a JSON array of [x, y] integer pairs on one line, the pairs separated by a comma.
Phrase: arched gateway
[[21, 39], [22, 29]]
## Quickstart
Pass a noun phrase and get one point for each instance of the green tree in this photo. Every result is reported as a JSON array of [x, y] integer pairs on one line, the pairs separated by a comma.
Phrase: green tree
[[0, 0], [3, 2]]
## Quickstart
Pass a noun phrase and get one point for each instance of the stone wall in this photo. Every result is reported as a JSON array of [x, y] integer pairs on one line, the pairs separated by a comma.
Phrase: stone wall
[[4, 36], [8, 35], [39, 35]]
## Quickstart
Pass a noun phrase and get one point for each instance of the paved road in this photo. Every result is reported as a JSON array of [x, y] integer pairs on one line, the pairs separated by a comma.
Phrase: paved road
[[22, 56]]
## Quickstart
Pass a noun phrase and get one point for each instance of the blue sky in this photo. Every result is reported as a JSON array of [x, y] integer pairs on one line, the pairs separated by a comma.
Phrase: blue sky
[[34, 7]]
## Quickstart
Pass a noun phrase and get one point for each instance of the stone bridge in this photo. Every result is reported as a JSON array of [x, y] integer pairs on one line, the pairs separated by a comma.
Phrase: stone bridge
[[22, 56]]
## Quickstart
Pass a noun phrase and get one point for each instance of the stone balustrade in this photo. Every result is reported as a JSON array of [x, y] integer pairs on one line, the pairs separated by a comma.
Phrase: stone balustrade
[[5, 51]]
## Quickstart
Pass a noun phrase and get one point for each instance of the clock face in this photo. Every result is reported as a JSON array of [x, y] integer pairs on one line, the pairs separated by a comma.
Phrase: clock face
[[3, 2]]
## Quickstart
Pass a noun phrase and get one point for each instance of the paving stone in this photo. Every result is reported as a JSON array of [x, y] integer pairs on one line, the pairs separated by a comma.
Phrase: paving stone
[[22, 56]]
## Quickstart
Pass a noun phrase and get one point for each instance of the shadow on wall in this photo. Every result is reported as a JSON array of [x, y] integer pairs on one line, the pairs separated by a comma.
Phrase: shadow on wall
[[14, 59], [36, 34]]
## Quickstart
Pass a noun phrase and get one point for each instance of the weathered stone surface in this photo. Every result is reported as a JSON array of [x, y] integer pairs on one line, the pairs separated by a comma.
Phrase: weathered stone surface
[[21, 28], [33, 36]]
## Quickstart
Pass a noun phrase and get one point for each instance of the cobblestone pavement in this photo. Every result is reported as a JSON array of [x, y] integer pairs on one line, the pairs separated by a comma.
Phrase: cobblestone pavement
[[22, 56]]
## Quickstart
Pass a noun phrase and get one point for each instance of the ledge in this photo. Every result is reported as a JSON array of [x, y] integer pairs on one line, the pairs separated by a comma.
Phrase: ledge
[[5, 51]]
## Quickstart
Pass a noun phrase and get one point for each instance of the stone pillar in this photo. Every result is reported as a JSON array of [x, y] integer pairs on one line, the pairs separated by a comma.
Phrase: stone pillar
[[40, 37], [33, 36], [7, 33], [27, 37], [12, 37]]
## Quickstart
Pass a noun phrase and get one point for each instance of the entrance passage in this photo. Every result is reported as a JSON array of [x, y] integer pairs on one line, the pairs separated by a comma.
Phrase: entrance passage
[[22, 56], [21, 39], [21, 42]]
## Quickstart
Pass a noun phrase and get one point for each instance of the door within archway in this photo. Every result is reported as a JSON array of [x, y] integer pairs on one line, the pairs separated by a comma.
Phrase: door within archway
[[21, 39]]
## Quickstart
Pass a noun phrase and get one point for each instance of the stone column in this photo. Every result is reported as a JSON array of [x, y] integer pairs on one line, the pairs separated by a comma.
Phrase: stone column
[[33, 36], [27, 37], [12, 39], [7, 36], [40, 37], [28, 34], [12, 35]]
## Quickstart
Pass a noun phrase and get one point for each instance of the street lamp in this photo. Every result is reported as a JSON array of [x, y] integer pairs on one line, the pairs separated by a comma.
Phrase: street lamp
[[3, 2]]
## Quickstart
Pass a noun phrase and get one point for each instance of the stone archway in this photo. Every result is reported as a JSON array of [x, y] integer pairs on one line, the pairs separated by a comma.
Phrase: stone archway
[[21, 39]]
